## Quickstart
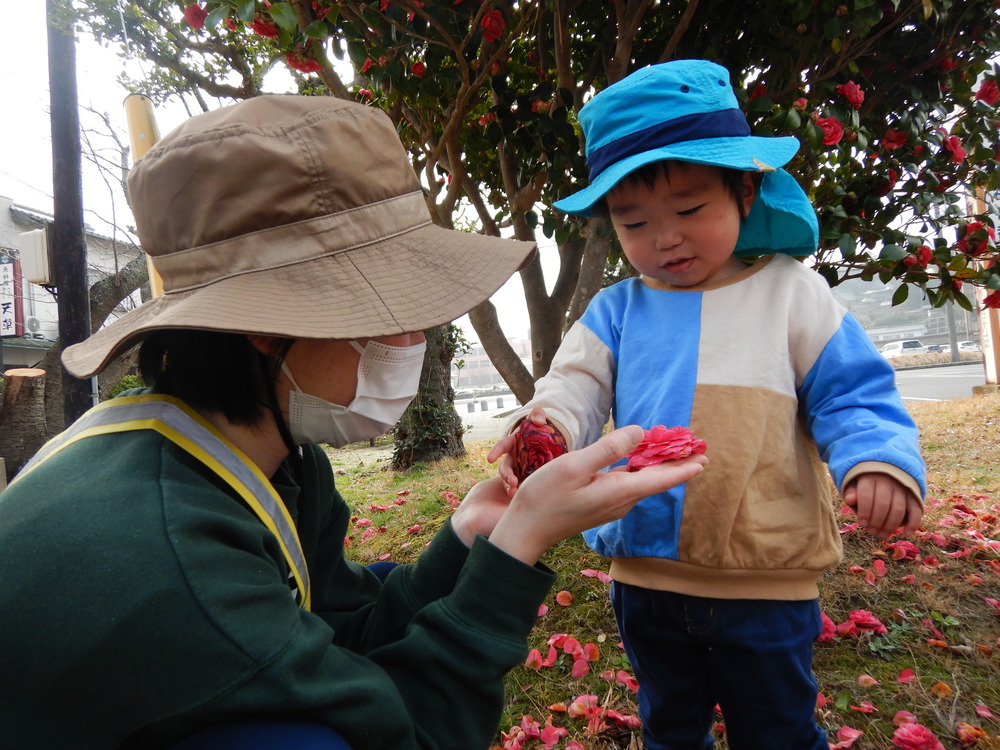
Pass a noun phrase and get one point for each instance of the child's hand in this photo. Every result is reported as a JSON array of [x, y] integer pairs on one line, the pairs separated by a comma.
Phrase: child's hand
[[505, 447], [883, 504]]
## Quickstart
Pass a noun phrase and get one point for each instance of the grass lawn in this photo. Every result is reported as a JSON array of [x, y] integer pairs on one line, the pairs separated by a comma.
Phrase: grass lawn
[[933, 658]]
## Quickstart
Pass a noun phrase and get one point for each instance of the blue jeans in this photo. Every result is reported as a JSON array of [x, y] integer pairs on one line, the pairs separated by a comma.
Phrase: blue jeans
[[752, 657], [263, 734]]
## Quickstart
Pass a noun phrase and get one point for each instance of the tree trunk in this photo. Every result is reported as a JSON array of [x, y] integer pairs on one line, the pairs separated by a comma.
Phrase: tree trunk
[[431, 429], [22, 420]]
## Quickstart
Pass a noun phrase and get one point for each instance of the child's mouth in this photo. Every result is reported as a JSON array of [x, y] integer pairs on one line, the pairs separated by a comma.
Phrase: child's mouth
[[678, 266]]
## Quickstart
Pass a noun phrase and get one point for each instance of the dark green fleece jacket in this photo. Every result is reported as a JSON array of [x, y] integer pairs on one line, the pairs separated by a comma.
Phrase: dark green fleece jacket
[[141, 600]]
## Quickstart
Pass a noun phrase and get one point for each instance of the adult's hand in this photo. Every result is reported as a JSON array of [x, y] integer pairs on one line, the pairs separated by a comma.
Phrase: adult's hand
[[571, 494], [480, 510]]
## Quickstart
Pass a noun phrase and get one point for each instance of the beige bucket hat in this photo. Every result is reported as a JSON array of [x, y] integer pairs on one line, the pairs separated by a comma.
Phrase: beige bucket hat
[[300, 217]]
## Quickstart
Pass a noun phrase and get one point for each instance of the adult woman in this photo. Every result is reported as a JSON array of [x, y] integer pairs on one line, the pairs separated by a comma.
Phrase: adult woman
[[175, 560]]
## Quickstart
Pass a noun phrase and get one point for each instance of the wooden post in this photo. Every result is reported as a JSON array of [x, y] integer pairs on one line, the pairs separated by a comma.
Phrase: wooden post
[[69, 245], [989, 325], [142, 135], [22, 418]]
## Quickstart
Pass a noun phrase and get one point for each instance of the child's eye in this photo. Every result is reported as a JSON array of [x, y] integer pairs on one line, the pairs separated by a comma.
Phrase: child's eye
[[634, 225], [691, 211]]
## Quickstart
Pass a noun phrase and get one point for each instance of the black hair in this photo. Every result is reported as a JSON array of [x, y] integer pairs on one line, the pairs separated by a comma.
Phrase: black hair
[[648, 174], [215, 371]]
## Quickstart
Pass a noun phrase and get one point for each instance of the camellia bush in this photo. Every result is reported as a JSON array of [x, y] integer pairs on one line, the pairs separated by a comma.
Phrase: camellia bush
[[894, 102]]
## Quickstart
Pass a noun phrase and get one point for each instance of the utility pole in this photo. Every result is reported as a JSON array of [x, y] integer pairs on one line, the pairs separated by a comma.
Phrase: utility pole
[[69, 246]]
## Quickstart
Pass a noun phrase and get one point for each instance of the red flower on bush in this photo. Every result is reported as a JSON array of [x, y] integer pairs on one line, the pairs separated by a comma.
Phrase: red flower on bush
[[833, 130], [535, 446], [800, 104], [303, 63], [988, 92], [493, 26], [366, 66], [889, 184], [915, 737], [992, 299], [852, 92], [954, 145], [968, 243], [661, 444], [195, 16], [418, 69], [759, 90], [894, 139], [262, 27]]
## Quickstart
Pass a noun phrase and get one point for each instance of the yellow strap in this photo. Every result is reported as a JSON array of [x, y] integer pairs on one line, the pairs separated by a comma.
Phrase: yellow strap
[[132, 404]]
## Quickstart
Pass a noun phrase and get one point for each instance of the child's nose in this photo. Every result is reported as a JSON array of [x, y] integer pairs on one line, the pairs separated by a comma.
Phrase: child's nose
[[667, 236]]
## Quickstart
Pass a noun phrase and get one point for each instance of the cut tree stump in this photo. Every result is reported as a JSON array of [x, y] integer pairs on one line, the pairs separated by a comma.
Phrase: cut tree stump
[[22, 417]]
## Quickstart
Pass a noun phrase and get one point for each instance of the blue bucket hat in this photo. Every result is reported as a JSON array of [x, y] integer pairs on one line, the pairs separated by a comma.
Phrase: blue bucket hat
[[686, 110]]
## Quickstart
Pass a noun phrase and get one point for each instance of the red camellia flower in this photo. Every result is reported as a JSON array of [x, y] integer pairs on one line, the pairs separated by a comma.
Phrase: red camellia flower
[[988, 92], [915, 737], [954, 145], [535, 446], [833, 130], [992, 299], [664, 444], [303, 62], [230, 23], [800, 104], [865, 620], [366, 66], [493, 26], [891, 179], [759, 90], [418, 69], [365, 94], [920, 257], [262, 27], [894, 139], [852, 92], [968, 245], [195, 16]]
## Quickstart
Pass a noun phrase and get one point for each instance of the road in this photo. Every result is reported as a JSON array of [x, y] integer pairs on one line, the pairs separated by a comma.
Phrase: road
[[939, 383]]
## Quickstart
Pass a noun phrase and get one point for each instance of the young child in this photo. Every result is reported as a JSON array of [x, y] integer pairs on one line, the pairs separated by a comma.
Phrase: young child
[[715, 581]]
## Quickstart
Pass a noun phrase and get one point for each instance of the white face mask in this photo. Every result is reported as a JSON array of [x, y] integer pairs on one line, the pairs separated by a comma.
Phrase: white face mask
[[388, 377]]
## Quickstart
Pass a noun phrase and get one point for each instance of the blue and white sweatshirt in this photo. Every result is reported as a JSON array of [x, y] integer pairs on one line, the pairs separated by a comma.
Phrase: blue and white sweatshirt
[[777, 378]]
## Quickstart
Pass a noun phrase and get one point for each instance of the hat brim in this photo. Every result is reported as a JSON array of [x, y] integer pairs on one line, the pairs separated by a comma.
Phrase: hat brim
[[410, 282], [746, 153]]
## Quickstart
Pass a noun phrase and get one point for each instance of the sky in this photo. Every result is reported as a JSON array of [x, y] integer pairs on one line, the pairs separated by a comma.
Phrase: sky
[[26, 144]]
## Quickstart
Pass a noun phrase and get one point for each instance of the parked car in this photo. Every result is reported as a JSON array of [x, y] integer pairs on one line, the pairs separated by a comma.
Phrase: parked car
[[969, 346], [936, 348], [902, 348]]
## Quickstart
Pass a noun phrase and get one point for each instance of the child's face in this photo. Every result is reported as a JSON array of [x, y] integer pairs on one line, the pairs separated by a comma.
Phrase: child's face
[[683, 229]]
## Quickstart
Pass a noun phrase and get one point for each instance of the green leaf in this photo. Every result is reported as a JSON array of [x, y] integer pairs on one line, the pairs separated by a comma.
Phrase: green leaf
[[993, 282], [317, 29], [847, 245], [245, 10], [793, 120], [963, 301], [892, 252], [215, 17], [843, 700], [284, 16], [900, 295]]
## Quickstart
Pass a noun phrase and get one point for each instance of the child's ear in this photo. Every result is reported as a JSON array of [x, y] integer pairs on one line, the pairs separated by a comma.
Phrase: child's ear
[[749, 192]]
